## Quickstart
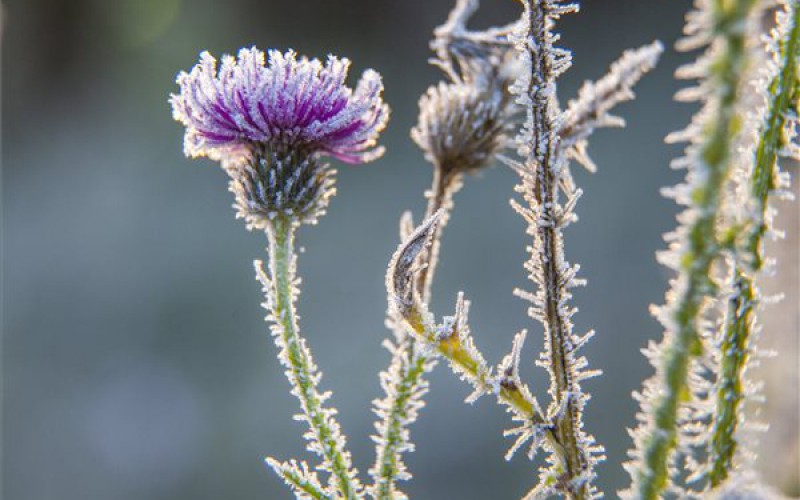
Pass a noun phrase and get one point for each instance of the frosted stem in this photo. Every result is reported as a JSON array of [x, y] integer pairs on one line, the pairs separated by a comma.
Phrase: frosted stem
[[695, 248], [440, 197], [452, 340], [405, 384], [393, 439], [324, 432], [466, 361], [740, 319], [545, 166]]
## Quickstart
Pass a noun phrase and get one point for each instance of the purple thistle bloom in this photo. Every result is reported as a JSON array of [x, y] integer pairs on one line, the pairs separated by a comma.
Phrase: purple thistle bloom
[[288, 104], [269, 125]]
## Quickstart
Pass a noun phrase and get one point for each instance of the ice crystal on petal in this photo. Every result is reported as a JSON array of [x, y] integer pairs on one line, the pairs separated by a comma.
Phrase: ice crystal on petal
[[268, 123], [289, 102]]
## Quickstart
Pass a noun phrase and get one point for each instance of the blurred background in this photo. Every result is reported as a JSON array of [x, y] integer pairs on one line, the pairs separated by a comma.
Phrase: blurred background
[[136, 363]]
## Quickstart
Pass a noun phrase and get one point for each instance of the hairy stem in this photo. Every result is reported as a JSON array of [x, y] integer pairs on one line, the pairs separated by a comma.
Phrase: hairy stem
[[547, 263], [411, 361], [300, 482], [740, 319], [467, 364], [697, 248], [301, 372], [413, 368]]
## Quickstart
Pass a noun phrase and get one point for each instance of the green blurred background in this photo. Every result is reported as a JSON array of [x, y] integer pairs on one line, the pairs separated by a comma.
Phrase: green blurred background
[[136, 363]]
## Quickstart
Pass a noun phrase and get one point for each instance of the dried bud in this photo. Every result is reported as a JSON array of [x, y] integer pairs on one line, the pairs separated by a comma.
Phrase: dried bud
[[402, 269], [268, 183]]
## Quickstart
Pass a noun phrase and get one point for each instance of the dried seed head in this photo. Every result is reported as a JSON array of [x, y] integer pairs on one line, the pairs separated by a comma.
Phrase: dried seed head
[[462, 126], [464, 122], [291, 184]]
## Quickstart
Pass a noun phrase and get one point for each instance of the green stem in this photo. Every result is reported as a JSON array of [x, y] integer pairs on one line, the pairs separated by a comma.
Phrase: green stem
[[699, 250], [740, 318], [416, 362], [389, 453], [300, 483], [464, 362], [301, 372]]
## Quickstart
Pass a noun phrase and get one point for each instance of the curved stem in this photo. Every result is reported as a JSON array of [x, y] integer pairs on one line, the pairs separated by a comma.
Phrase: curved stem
[[470, 366], [740, 319], [325, 434]]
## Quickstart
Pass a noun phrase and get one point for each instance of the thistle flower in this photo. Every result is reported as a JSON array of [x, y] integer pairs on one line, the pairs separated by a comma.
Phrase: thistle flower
[[269, 123]]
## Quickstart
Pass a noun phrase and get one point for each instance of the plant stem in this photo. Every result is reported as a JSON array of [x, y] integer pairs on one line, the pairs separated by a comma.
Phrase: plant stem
[[740, 318], [412, 362], [698, 248], [413, 367], [455, 352], [440, 196], [301, 371], [300, 481], [547, 264]]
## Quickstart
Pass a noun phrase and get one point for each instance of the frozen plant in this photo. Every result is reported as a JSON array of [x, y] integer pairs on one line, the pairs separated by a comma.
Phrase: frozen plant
[[464, 122], [757, 178], [548, 140], [693, 405], [270, 125], [272, 120]]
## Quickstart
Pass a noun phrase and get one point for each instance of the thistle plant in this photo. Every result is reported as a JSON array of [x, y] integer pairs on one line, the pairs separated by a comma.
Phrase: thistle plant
[[464, 122], [272, 120], [758, 179], [270, 125], [549, 138]]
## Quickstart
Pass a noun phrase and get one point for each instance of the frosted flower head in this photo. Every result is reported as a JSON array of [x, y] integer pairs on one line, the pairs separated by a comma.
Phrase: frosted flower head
[[290, 102], [269, 122], [463, 126], [465, 122]]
